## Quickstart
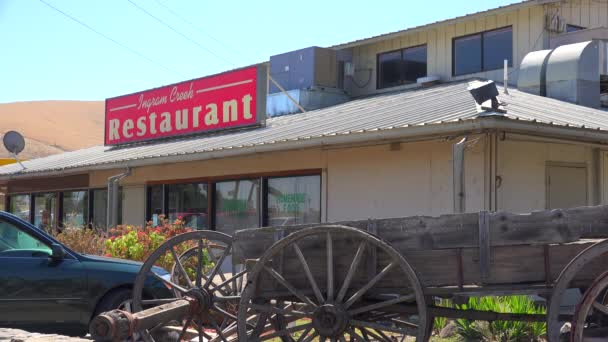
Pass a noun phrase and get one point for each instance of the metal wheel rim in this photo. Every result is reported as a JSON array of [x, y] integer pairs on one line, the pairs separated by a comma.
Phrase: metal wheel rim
[[396, 257]]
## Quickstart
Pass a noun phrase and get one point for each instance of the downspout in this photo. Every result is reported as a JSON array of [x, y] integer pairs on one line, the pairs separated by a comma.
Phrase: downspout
[[112, 212], [458, 174]]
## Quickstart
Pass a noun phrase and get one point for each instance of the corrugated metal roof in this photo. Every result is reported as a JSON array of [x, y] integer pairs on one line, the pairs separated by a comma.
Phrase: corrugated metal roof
[[441, 104], [425, 26]]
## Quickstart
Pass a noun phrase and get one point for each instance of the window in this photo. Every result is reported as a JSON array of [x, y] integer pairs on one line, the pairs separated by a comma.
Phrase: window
[[482, 51], [20, 206], [402, 66], [14, 241], [227, 206], [237, 205], [45, 209], [100, 208], [573, 28], [75, 209], [155, 203], [188, 201], [294, 200]]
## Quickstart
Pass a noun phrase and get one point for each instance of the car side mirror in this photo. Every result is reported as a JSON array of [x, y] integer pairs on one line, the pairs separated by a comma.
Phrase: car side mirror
[[57, 252]]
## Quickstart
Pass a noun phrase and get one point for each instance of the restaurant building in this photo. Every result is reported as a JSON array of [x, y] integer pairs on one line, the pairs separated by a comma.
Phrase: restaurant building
[[365, 129]]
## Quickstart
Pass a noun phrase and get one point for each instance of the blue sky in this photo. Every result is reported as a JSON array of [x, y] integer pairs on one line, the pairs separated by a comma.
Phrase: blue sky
[[46, 56]]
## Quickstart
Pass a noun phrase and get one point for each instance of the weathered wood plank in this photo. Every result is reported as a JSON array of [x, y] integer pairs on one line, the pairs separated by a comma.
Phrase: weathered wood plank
[[456, 230], [510, 265]]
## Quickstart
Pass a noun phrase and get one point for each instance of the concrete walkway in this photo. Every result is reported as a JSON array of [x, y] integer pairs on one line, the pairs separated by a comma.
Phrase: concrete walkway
[[15, 335]]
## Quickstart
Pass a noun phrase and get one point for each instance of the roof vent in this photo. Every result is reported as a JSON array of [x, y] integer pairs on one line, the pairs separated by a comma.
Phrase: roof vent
[[486, 96]]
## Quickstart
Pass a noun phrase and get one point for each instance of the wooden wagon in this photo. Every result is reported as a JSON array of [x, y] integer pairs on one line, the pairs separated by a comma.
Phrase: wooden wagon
[[376, 279]]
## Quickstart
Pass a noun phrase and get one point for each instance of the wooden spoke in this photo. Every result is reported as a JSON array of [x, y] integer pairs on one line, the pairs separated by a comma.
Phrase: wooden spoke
[[185, 328], [368, 286], [217, 328], [181, 268], [289, 287], [311, 337], [374, 335], [601, 308], [199, 264], [330, 268], [224, 312], [215, 260], [351, 271], [386, 338], [225, 282], [356, 336], [275, 310], [303, 336], [379, 305], [259, 326], [364, 333], [169, 282], [309, 275], [217, 266]]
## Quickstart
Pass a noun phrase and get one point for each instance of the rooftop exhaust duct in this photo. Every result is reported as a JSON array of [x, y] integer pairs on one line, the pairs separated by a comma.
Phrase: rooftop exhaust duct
[[569, 73]]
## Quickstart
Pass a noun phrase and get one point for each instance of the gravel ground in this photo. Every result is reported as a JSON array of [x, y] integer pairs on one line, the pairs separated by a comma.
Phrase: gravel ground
[[15, 335]]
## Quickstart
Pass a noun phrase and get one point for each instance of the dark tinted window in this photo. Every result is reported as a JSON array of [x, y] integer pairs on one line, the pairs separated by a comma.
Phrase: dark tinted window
[[414, 63], [45, 207], [188, 202], [467, 55], [483, 51], [100, 205], [75, 209], [497, 46], [237, 205], [401, 67], [20, 206], [155, 203], [390, 69]]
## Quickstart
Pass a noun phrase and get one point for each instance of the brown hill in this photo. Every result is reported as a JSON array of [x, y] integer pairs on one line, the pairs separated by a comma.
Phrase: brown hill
[[51, 127]]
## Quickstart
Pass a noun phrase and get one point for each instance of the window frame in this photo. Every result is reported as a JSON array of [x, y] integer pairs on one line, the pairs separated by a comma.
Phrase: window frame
[[402, 81], [211, 192], [481, 34]]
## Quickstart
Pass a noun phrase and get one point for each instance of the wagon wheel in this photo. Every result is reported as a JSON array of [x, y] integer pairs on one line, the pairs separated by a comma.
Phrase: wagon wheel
[[591, 316], [330, 293], [197, 272], [583, 259]]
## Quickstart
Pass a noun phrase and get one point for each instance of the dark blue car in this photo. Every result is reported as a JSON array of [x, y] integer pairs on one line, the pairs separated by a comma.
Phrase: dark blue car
[[46, 287]]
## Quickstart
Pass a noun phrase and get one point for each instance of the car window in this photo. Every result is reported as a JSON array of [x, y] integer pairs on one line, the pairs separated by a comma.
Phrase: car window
[[13, 240]]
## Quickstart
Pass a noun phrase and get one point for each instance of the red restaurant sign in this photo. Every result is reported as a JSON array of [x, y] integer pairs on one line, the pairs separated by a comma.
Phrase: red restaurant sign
[[229, 100]]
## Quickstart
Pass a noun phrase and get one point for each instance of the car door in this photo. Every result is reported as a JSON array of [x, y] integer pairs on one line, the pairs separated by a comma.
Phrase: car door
[[35, 289]]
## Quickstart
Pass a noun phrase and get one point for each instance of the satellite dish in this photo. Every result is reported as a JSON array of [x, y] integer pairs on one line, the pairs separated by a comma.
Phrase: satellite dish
[[13, 142]]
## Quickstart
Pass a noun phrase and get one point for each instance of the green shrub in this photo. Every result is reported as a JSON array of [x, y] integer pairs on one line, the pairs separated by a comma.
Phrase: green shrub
[[503, 331], [132, 242]]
